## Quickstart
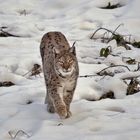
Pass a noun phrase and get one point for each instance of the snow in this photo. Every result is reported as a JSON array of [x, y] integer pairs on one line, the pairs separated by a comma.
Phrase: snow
[[22, 105]]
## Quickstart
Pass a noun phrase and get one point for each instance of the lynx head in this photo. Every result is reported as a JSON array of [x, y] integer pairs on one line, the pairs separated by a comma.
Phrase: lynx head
[[65, 62]]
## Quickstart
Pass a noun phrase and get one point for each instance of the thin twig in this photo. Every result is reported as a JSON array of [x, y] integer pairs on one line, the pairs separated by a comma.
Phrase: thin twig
[[112, 67], [35, 70], [99, 73], [115, 31], [3, 27], [26, 73], [114, 54], [59, 124], [118, 27], [125, 58], [101, 28], [86, 76]]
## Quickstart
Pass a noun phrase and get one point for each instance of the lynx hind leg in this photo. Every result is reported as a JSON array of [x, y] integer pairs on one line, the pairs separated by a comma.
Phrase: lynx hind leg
[[69, 114], [50, 106]]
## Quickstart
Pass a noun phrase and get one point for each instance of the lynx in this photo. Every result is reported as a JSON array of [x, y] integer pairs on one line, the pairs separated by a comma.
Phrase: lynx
[[60, 67]]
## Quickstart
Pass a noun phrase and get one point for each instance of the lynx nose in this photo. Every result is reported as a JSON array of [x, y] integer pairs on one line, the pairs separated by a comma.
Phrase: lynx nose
[[67, 69]]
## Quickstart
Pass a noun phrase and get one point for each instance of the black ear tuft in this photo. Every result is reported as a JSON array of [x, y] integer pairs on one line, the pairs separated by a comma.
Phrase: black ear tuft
[[72, 50]]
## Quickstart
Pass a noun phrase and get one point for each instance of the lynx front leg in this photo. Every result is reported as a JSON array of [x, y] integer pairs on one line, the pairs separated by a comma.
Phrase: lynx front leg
[[68, 99], [59, 104]]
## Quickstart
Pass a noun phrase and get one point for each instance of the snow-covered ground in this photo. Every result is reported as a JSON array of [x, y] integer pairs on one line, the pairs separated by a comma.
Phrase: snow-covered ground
[[108, 119]]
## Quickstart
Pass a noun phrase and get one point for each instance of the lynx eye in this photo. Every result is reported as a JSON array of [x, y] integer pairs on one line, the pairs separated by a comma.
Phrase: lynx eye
[[61, 62], [71, 61]]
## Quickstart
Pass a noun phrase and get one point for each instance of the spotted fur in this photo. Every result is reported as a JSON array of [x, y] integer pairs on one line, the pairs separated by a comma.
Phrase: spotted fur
[[61, 71]]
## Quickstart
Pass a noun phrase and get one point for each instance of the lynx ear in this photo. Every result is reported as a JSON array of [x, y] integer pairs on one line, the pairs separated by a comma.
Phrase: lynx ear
[[72, 50]]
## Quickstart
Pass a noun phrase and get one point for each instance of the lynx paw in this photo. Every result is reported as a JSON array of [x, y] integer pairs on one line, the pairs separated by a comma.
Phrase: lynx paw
[[62, 112], [50, 109], [69, 114]]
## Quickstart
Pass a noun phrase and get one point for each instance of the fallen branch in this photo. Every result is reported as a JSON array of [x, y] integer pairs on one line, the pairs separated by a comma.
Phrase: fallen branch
[[6, 34], [112, 6], [17, 133], [119, 38], [86, 76], [6, 84], [26, 73], [99, 73], [36, 70]]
